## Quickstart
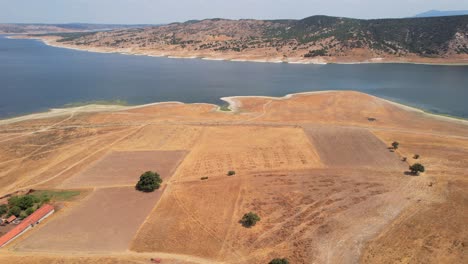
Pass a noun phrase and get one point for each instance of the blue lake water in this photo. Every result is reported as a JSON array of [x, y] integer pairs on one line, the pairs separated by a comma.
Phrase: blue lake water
[[35, 77]]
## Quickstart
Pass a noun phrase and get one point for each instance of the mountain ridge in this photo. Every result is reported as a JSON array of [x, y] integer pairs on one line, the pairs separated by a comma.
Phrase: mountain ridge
[[323, 38]]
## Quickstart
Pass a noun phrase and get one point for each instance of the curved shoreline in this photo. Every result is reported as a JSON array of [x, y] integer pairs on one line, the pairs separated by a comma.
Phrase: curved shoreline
[[234, 105], [314, 61]]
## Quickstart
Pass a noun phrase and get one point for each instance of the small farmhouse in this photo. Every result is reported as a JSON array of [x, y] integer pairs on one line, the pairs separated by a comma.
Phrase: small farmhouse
[[29, 222]]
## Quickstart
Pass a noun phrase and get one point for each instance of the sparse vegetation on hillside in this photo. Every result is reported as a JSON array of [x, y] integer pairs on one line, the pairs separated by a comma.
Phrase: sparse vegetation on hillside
[[250, 219], [149, 181], [310, 37]]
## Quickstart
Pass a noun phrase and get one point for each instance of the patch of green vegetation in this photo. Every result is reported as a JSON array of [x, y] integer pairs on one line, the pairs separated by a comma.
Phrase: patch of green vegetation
[[249, 219], [56, 195], [98, 102], [149, 181], [225, 108], [24, 205]]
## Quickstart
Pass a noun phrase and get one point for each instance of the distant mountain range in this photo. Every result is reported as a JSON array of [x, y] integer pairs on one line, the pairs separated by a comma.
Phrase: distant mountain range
[[21, 28], [437, 13]]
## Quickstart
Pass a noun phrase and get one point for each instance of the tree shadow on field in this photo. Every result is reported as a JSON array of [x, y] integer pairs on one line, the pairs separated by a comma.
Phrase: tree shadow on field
[[409, 173]]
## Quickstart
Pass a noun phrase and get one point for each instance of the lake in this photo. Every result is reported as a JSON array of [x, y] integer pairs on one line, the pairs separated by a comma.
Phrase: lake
[[35, 77]]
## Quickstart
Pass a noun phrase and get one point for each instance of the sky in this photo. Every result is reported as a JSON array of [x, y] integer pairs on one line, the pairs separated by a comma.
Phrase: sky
[[166, 11]]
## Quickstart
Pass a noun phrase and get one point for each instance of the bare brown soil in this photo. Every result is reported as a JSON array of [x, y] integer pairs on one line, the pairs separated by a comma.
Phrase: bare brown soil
[[105, 221], [352, 147], [125, 167], [313, 167]]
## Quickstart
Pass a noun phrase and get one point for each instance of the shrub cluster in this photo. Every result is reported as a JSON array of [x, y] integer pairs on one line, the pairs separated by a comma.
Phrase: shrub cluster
[[149, 181]]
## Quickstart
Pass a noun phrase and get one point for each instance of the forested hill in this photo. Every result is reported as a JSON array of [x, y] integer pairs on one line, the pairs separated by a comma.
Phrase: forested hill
[[316, 36]]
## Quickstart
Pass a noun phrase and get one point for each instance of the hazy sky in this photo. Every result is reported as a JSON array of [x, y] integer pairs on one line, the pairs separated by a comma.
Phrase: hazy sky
[[164, 11]]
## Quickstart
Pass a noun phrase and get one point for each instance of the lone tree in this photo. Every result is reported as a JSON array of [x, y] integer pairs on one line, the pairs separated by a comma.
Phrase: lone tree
[[149, 181], [416, 156], [395, 145], [416, 168], [250, 219], [231, 173], [279, 261]]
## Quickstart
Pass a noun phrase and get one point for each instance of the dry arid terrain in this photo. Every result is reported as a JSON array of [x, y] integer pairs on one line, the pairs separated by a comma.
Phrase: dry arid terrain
[[317, 169], [315, 39]]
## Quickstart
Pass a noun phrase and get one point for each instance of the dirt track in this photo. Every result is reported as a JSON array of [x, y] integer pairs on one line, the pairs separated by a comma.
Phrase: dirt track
[[312, 166]]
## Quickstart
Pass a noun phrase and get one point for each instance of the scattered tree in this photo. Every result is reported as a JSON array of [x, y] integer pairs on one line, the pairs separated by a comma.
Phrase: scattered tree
[[416, 156], [395, 145], [249, 219], [149, 181], [404, 159], [231, 173], [204, 178], [416, 168], [279, 261]]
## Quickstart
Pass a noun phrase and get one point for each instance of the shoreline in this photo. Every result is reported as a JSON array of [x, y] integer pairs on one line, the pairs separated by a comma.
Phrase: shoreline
[[233, 104], [169, 55]]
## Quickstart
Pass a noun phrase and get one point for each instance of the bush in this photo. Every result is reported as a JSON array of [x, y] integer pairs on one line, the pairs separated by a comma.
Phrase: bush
[[29, 211], [23, 202], [279, 261], [416, 168], [395, 145], [231, 173], [204, 178], [149, 181], [249, 219], [15, 210], [3, 209], [416, 156]]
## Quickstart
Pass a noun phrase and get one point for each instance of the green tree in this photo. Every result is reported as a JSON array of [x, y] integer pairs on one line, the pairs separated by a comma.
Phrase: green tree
[[26, 201], [29, 211], [279, 261], [395, 145], [15, 210], [249, 219], [3, 209], [23, 202], [416, 168], [149, 181], [231, 173]]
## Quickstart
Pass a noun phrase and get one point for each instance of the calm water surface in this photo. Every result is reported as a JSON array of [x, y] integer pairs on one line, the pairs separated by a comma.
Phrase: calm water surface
[[35, 77]]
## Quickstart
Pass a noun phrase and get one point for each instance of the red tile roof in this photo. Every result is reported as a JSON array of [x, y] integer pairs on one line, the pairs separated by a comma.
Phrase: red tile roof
[[32, 219], [11, 219]]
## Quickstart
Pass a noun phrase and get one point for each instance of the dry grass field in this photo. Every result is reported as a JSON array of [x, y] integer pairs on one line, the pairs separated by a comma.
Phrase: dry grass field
[[312, 166]]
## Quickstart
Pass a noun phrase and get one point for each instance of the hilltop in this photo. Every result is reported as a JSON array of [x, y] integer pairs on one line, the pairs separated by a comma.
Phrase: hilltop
[[313, 39], [316, 168]]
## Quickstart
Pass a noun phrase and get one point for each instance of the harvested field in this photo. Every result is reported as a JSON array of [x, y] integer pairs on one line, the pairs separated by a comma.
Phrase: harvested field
[[158, 137], [125, 167], [352, 147], [107, 220], [192, 218], [301, 211], [313, 167], [242, 149]]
